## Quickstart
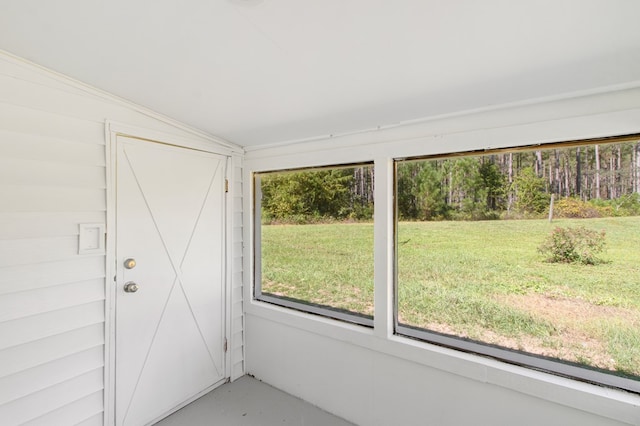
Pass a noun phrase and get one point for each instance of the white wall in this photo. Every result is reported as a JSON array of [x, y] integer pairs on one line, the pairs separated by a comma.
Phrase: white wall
[[52, 300], [372, 377], [370, 387]]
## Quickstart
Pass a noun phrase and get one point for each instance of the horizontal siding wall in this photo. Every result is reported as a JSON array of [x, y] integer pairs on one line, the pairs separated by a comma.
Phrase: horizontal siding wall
[[52, 300]]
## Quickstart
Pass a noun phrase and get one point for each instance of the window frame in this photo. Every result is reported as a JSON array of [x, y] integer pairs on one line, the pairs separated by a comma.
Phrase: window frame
[[536, 124], [284, 301], [549, 365]]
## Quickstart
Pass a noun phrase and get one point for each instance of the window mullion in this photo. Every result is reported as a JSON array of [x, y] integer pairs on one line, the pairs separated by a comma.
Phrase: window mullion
[[383, 248]]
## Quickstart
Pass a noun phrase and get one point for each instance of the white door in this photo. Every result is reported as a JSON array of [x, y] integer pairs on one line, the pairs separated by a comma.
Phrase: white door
[[170, 330]]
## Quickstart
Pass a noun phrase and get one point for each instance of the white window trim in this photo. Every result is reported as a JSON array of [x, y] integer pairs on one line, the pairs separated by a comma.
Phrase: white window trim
[[326, 311], [525, 359], [574, 119]]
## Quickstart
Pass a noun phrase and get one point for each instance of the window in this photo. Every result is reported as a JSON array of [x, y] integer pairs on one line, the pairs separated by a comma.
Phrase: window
[[529, 256], [314, 241]]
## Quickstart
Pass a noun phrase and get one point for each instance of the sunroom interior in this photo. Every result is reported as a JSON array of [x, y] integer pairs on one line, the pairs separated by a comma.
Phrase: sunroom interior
[[139, 142]]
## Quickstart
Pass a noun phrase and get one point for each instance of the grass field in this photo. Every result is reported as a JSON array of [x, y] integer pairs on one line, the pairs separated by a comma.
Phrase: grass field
[[481, 280]]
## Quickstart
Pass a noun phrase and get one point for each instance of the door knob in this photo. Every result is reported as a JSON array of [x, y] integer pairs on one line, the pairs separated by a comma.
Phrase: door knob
[[131, 287]]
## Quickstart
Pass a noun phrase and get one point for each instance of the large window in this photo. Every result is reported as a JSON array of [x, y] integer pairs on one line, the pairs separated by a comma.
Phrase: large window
[[314, 241], [529, 256]]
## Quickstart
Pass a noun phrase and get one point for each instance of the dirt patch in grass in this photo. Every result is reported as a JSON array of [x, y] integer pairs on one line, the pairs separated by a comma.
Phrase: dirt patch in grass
[[564, 311], [579, 335], [277, 289], [348, 298], [573, 347]]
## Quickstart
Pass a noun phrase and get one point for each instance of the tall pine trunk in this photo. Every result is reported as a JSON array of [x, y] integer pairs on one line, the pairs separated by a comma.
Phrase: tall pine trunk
[[637, 167], [612, 176], [510, 177], [556, 166], [567, 173], [597, 178], [578, 174]]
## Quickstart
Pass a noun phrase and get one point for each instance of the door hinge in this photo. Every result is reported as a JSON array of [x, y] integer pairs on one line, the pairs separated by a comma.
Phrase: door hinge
[[226, 345], [226, 185]]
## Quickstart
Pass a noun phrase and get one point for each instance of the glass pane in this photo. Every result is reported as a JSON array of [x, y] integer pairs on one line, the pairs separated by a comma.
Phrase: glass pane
[[316, 239], [535, 252]]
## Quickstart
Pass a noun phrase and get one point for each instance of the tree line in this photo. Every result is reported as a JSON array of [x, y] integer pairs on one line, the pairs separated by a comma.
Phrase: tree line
[[318, 195], [587, 181], [584, 181]]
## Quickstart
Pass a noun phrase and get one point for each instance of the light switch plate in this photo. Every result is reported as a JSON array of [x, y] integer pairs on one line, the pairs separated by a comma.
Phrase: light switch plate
[[91, 239]]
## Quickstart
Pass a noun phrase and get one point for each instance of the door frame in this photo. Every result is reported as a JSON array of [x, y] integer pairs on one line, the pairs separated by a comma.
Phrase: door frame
[[113, 130]]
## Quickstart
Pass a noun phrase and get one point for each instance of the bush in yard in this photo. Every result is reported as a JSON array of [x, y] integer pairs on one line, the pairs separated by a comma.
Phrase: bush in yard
[[625, 205], [575, 208], [629, 204], [573, 245]]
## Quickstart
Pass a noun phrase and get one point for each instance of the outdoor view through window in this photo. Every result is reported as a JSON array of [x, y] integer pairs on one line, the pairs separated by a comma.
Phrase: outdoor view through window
[[536, 252], [314, 249], [527, 255]]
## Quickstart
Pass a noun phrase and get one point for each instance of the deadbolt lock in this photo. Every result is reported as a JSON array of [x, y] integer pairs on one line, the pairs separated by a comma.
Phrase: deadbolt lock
[[131, 287], [130, 263]]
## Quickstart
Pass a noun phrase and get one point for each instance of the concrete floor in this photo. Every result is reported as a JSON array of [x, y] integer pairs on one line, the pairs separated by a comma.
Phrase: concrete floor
[[249, 402]]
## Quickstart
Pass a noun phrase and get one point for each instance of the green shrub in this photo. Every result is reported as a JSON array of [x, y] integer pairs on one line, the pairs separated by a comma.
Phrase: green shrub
[[530, 192], [575, 208], [626, 205], [573, 245], [629, 204]]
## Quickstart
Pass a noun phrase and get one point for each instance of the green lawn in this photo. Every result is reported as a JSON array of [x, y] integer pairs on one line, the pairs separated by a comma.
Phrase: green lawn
[[330, 265], [482, 280]]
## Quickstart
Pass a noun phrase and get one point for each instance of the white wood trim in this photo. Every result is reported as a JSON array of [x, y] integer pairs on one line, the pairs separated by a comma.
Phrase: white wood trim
[[110, 259], [112, 131], [248, 230], [237, 337], [597, 116], [383, 248], [123, 129], [363, 134], [565, 129], [228, 262]]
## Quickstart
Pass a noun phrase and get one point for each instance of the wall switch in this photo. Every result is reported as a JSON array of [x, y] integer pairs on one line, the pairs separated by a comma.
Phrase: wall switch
[[91, 239]]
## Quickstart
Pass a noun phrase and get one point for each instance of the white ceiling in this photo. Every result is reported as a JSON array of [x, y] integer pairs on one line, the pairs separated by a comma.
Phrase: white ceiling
[[265, 71]]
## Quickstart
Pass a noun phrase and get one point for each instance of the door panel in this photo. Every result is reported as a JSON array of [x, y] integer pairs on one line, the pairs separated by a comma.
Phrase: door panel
[[170, 333]]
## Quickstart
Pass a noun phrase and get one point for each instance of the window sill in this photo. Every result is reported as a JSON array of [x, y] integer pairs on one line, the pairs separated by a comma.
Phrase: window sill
[[606, 402]]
